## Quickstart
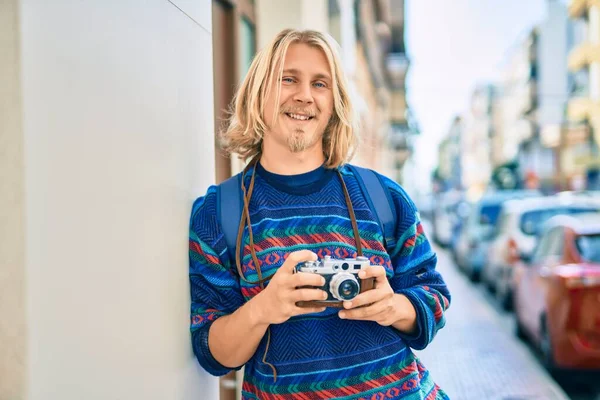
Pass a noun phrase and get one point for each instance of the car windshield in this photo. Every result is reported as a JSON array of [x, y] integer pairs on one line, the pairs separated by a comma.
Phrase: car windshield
[[532, 221], [589, 247]]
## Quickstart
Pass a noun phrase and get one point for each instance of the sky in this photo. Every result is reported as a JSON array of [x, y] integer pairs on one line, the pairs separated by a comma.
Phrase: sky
[[453, 45]]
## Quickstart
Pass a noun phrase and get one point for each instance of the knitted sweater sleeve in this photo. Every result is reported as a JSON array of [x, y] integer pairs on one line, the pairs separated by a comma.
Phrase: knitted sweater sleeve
[[415, 274], [214, 288]]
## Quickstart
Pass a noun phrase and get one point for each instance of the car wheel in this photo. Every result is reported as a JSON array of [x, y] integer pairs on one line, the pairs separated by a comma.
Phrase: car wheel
[[520, 330], [504, 297], [490, 286], [474, 276]]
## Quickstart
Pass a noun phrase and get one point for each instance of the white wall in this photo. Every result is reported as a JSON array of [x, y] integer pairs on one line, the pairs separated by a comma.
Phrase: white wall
[[118, 138], [13, 330]]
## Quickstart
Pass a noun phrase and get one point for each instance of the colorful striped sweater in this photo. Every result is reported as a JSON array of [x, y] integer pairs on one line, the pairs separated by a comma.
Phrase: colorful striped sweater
[[319, 356]]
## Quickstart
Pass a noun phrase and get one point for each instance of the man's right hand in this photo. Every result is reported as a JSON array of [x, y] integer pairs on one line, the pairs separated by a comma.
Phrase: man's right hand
[[234, 338], [277, 302]]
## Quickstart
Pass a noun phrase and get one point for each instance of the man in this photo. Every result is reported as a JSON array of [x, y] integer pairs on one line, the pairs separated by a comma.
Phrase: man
[[294, 119]]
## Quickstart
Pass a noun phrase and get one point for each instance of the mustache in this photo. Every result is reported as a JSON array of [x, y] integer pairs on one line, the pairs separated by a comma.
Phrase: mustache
[[298, 110]]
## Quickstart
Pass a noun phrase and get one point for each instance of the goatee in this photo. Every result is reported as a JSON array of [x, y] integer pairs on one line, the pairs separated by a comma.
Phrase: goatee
[[300, 141]]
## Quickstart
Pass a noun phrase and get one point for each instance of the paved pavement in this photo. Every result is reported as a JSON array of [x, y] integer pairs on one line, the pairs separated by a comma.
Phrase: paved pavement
[[476, 356]]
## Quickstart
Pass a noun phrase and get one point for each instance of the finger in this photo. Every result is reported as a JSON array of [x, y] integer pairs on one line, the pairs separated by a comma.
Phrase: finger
[[296, 257], [308, 294], [373, 271], [369, 313], [365, 298], [308, 279], [309, 310]]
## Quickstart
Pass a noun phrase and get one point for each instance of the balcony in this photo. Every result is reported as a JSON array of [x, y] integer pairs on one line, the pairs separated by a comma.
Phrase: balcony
[[580, 109], [398, 106], [530, 97], [397, 66], [399, 137], [524, 129], [583, 55], [579, 83], [577, 8]]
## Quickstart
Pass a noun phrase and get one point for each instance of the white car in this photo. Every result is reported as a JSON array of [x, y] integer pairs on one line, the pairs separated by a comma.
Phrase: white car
[[515, 237], [444, 216], [477, 230]]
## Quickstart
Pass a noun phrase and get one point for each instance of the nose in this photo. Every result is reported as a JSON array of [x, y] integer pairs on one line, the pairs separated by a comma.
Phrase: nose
[[304, 93]]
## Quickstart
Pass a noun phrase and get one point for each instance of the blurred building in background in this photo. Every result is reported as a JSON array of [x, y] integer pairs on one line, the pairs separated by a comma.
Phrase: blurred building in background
[[476, 141], [581, 137], [517, 100], [520, 91], [448, 174], [552, 96], [531, 128]]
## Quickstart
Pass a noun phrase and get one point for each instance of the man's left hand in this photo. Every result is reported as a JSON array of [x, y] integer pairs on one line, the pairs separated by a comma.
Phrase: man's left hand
[[381, 304]]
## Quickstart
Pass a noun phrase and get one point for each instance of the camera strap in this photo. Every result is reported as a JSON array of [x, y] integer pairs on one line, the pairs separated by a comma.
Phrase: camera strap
[[232, 203], [245, 221]]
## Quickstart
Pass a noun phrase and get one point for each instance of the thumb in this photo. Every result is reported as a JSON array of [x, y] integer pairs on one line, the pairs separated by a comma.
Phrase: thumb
[[296, 257]]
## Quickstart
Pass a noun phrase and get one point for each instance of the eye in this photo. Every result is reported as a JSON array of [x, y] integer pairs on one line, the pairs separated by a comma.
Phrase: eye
[[320, 85], [287, 80]]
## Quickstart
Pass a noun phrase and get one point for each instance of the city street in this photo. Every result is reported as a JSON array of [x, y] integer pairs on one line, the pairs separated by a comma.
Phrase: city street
[[477, 356]]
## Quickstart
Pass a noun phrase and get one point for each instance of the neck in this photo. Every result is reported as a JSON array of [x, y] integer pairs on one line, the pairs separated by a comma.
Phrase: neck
[[284, 162]]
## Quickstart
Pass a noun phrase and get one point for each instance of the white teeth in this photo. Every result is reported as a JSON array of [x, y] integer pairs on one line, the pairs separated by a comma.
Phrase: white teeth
[[300, 117]]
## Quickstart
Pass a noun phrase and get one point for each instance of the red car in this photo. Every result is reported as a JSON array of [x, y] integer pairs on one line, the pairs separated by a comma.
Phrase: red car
[[557, 293]]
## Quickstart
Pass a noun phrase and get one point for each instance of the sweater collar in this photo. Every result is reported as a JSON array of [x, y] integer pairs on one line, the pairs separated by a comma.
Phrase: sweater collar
[[305, 183]]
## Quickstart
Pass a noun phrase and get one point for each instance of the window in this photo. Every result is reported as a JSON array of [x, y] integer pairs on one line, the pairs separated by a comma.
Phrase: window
[[489, 214], [541, 249], [550, 244], [247, 47], [589, 247], [504, 222], [532, 221], [556, 239]]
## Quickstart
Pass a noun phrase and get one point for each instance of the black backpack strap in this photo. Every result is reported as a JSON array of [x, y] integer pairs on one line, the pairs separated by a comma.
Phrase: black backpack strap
[[229, 211], [379, 200]]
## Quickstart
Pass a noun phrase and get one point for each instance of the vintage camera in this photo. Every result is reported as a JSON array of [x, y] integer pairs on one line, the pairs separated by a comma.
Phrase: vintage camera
[[341, 279]]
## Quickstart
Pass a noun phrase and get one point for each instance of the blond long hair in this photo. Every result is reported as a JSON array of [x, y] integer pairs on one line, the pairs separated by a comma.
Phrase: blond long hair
[[246, 126]]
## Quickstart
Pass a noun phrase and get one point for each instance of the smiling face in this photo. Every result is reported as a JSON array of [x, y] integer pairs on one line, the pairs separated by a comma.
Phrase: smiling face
[[305, 102]]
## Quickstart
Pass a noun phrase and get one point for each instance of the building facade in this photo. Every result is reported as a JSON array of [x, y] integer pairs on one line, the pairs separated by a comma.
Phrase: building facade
[[476, 142], [449, 170], [580, 159]]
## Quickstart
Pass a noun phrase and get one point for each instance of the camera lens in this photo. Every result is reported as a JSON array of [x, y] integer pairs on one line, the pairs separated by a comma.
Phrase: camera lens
[[348, 289], [344, 286]]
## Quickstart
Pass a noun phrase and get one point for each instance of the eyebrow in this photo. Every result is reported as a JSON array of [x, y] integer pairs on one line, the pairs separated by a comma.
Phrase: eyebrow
[[297, 72]]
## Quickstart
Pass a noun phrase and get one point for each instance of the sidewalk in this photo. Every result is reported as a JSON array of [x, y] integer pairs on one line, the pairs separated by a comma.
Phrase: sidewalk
[[476, 356]]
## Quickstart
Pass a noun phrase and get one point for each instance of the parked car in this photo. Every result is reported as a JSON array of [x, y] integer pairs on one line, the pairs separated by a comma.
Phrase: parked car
[[425, 204], [591, 194], [476, 233], [557, 295], [515, 236], [444, 216]]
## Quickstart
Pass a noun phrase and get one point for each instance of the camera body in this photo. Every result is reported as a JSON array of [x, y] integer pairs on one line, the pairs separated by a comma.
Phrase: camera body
[[342, 282]]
